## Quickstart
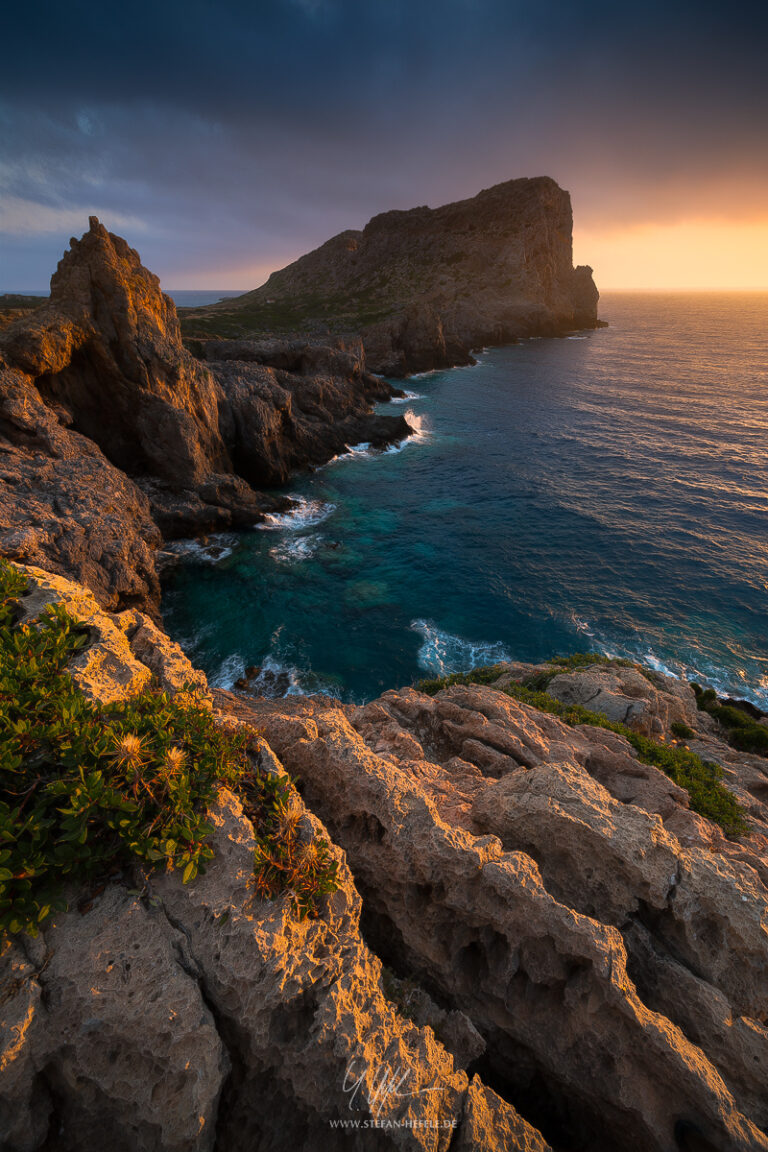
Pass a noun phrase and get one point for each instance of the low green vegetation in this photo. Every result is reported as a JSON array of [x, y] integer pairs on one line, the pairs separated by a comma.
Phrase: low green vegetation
[[487, 675], [297, 313], [540, 681], [700, 778], [742, 730], [682, 731], [87, 788], [14, 301]]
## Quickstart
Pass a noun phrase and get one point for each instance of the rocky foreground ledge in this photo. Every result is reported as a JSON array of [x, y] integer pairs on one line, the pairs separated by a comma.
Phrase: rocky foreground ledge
[[114, 437], [536, 941]]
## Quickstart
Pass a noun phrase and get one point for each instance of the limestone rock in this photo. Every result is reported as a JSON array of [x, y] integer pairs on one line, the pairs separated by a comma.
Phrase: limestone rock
[[124, 651], [424, 287], [106, 669], [133, 1057], [65, 508], [24, 1102], [164, 659], [192, 1016], [616, 974], [155, 1016], [105, 349], [627, 696]]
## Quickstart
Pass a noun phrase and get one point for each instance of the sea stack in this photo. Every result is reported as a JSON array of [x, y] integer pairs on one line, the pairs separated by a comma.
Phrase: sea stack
[[426, 286]]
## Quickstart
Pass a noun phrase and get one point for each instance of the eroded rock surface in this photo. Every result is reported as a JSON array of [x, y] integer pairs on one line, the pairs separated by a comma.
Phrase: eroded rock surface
[[287, 404], [158, 1017], [608, 943]]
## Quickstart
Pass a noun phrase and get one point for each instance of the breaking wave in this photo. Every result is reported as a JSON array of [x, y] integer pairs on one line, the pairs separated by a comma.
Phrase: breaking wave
[[442, 653], [305, 514], [208, 550], [294, 549]]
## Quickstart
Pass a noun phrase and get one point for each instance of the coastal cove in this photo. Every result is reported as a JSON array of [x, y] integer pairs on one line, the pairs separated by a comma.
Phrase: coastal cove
[[607, 491]]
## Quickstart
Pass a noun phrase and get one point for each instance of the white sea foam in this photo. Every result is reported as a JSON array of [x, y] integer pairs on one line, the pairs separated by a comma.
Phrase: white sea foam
[[354, 452], [442, 653], [658, 665], [294, 549], [209, 550], [276, 679], [305, 514], [407, 398], [232, 668], [421, 432], [688, 667]]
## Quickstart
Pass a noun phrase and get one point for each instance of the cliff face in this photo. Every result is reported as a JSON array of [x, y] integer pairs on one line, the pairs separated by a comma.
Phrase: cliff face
[[426, 286], [112, 434], [105, 352], [555, 920]]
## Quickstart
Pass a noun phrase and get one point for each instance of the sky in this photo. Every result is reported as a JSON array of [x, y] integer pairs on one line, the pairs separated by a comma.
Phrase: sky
[[224, 138]]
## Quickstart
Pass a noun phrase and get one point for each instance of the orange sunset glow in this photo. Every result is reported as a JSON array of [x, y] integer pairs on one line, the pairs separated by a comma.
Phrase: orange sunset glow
[[689, 254]]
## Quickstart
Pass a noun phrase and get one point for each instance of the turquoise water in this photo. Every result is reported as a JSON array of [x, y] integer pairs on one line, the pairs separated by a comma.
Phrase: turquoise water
[[602, 492]]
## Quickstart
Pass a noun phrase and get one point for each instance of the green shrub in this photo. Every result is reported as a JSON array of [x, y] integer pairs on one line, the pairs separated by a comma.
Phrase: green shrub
[[704, 696], [751, 738], [730, 717], [86, 788], [742, 731], [587, 659], [488, 675], [681, 730], [701, 779]]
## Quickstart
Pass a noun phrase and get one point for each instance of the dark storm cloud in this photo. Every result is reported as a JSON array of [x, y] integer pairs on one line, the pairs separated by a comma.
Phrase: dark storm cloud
[[232, 135]]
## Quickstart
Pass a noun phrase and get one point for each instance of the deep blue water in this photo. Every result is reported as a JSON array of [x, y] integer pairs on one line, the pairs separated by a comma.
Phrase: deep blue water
[[602, 492]]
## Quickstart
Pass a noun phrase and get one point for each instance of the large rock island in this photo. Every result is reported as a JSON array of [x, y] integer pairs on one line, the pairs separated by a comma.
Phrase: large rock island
[[425, 287]]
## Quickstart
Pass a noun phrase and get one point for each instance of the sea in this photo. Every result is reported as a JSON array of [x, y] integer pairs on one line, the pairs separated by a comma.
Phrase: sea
[[603, 492]]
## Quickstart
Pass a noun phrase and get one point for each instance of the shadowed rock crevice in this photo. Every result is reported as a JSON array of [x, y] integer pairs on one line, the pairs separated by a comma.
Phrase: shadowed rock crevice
[[567, 1121]]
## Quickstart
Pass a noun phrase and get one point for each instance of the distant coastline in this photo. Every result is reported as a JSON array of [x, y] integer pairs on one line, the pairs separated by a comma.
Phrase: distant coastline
[[182, 297]]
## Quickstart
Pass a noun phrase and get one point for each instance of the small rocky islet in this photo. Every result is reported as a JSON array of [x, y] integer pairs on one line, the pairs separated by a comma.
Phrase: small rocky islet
[[538, 909]]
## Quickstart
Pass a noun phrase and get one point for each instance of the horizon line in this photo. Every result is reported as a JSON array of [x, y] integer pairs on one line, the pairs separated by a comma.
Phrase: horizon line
[[601, 289]]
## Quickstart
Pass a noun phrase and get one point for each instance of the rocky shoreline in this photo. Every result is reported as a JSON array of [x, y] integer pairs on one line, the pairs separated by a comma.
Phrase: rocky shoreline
[[535, 942], [114, 437]]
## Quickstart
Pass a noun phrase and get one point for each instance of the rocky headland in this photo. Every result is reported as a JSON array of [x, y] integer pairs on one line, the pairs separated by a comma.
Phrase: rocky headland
[[114, 437], [423, 288], [534, 941]]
